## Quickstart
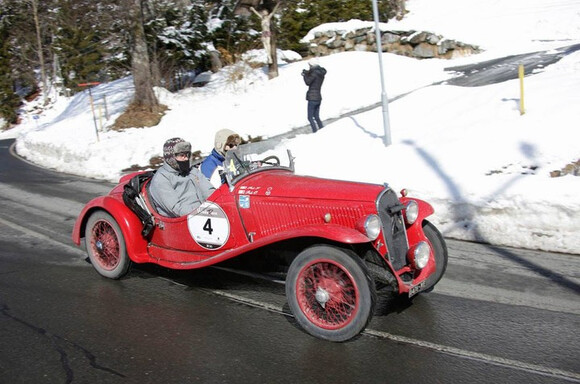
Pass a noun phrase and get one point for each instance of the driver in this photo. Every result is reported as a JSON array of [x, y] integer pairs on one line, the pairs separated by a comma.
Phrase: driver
[[177, 188]]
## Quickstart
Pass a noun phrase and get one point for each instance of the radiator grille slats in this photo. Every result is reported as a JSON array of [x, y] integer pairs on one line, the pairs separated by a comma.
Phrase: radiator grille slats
[[393, 229]]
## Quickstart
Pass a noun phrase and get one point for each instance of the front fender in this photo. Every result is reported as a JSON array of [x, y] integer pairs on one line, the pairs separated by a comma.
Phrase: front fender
[[425, 209], [130, 225], [331, 232], [415, 234], [415, 231]]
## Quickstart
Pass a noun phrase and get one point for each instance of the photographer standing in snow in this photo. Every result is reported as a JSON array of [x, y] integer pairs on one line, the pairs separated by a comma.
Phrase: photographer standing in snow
[[314, 77]]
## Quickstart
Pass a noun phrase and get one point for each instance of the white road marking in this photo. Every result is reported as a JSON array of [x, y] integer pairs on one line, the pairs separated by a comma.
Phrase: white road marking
[[251, 274], [458, 352], [495, 360], [39, 235], [461, 353], [480, 292]]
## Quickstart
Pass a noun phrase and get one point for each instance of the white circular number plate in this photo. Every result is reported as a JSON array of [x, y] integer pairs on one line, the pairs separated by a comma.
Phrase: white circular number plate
[[209, 226]]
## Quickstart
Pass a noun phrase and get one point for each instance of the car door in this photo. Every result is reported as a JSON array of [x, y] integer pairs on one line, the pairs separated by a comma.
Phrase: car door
[[205, 233]]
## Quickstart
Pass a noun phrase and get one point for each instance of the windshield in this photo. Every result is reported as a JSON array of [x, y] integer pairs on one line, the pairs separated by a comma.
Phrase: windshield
[[255, 157]]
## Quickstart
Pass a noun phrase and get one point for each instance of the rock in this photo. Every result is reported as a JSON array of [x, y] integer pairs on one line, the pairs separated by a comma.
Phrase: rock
[[418, 44], [425, 51]]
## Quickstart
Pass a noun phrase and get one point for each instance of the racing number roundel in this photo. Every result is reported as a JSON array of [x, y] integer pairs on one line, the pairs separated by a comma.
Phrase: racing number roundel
[[209, 226]]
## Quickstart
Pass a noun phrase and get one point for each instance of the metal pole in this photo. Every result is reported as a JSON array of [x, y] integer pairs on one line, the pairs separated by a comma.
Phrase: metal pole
[[384, 99], [521, 76]]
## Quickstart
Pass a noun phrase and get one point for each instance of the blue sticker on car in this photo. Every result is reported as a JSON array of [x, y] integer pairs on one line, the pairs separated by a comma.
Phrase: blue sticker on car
[[244, 201]]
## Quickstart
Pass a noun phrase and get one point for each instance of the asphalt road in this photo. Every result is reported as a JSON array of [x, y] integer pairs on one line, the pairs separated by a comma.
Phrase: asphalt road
[[499, 315], [506, 68]]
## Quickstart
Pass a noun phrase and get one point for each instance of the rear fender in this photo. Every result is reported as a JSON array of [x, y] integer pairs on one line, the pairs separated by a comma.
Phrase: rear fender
[[130, 225]]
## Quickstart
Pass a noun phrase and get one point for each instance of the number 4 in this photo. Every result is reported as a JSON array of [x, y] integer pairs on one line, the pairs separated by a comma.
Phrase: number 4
[[207, 226]]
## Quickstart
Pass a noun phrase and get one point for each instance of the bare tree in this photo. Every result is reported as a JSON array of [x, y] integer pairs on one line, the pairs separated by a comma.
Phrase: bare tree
[[145, 98], [145, 110], [397, 9], [40, 54]]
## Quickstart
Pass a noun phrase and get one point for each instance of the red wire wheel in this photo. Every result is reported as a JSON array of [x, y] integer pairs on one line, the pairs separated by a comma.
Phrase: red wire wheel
[[105, 245], [330, 293], [327, 294]]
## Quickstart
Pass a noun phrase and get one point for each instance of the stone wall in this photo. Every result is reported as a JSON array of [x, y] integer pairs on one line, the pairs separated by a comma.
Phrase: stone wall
[[572, 168], [421, 45]]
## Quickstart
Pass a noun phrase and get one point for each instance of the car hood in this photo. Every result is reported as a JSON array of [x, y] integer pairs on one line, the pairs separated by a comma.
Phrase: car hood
[[285, 184]]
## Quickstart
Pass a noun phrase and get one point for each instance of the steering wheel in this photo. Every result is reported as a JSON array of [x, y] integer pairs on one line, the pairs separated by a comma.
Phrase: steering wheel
[[241, 164], [271, 160]]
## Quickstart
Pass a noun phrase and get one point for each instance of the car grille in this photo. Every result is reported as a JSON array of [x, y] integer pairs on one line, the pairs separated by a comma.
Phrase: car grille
[[391, 213]]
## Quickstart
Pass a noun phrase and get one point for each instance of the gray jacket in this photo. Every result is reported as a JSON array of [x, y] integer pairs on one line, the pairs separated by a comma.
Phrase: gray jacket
[[175, 195]]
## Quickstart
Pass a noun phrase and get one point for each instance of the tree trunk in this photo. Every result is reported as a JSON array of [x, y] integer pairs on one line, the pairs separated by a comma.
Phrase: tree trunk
[[398, 9], [144, 95], [40, 54], [273, 67]]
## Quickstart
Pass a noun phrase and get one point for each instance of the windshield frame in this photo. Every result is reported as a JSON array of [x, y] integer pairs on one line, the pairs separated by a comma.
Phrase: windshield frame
[[248, 159]]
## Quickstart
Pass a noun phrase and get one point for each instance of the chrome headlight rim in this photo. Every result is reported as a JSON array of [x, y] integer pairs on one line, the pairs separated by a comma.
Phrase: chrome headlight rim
[[411, 212], [421, 254], [372, 226]]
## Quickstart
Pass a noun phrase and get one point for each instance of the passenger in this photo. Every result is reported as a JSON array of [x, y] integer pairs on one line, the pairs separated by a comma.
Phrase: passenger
[[177, 188], [225, 140]]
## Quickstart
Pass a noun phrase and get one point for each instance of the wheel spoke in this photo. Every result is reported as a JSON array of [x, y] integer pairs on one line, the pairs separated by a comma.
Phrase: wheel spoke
[[105, 245], [327, 295]]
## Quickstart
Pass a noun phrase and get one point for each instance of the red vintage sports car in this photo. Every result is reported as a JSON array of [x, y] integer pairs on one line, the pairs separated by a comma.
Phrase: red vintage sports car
[[346, 241]]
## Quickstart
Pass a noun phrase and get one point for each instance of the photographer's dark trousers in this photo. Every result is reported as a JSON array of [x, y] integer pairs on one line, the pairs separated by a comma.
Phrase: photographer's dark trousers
[[314, 114]]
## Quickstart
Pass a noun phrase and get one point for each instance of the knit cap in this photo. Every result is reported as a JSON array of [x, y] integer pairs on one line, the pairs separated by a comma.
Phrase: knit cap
[[173, 146]]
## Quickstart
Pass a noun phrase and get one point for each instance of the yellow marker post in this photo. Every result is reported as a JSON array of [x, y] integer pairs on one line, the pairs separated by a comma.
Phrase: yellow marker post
[[521, 75]]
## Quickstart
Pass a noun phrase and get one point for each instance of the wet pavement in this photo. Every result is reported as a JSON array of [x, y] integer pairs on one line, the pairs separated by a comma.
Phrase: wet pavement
[[499, 315]]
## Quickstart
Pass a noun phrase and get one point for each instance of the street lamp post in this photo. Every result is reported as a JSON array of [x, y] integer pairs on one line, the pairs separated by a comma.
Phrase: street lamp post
[[384, 99]]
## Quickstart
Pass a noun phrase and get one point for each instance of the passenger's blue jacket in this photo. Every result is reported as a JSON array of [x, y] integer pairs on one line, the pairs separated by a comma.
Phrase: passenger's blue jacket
[[210, 163]]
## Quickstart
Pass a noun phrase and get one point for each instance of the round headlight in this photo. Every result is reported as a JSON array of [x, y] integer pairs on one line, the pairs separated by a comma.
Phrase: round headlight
[[421, 254], [411, 212], [372, 226]]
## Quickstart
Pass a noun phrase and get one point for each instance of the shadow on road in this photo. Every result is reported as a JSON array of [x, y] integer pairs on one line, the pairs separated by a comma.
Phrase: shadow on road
[[465, 213], [479, 74]]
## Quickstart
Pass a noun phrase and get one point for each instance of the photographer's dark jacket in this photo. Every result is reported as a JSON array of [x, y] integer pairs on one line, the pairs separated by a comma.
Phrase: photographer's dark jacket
[[314, 78]]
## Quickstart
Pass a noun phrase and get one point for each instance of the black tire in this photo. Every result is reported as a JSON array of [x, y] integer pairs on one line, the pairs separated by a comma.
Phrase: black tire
[[440, 250], [105, 245], [330, 293]]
